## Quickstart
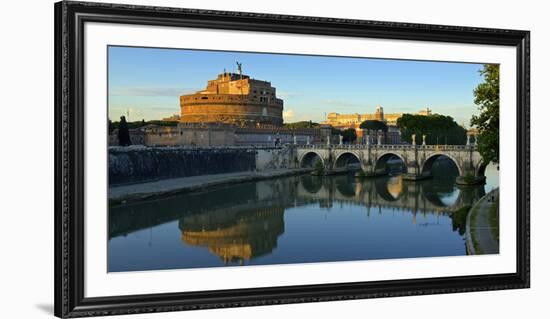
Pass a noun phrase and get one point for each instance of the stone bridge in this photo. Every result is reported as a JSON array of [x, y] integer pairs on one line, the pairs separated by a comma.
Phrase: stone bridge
[[372, 159]]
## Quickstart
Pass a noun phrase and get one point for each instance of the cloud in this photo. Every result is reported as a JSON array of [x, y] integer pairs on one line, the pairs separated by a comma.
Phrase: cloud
[[288, 95], [150, 91], [288, 115]]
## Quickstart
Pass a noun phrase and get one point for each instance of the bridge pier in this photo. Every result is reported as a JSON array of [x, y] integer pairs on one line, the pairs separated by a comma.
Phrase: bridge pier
[[368, 169], [414, 173]]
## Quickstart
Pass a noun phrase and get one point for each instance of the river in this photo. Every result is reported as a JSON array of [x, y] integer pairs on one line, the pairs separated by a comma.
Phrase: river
[[296, 219]]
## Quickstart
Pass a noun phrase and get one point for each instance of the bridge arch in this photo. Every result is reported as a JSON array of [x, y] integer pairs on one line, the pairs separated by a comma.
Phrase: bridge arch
[[310, 158], [344, 159], [382, 159], [429, 161]]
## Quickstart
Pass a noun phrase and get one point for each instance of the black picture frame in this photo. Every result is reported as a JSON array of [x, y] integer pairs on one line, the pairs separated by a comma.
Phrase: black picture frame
[[70, 18]]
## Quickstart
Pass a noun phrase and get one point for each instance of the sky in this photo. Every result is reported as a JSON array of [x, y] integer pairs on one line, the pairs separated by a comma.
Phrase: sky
[[147, 82]]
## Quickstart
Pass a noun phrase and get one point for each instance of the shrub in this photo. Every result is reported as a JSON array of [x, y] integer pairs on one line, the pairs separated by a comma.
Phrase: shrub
[[319, 168]]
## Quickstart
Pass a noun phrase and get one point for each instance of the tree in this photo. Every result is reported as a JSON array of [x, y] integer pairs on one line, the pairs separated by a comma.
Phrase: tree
[[439, 129], [123, 133], [110, 127], [349, 135], [486, 97], [374, 125], [301, 124]]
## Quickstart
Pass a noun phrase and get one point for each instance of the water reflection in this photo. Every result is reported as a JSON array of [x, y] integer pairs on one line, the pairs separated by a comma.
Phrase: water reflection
[[285, 221], [235, 235]]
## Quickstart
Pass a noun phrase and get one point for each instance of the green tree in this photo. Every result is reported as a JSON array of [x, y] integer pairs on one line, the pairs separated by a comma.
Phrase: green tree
[[349, 135], [123, 133], [335, 131], [486, 97], [301, 124], [374, 125], [319, 168], [439, 129]]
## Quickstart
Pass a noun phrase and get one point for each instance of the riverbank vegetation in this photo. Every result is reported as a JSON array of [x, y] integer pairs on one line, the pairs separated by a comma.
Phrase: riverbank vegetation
[[459, 219], [319, 169], [486, 97]]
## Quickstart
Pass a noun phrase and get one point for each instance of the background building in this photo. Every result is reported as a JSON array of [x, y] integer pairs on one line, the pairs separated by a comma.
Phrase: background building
[[392, 136]]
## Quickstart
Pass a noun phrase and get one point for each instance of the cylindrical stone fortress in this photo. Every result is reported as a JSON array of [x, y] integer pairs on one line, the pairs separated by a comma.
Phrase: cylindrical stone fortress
[[233, 99]]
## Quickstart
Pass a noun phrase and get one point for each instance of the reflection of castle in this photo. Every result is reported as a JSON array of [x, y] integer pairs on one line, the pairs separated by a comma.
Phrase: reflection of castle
[[242, 222], [235, 235], [233, 99]]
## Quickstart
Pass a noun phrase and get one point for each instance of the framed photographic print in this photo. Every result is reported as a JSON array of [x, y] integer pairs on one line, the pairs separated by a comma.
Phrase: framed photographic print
[[219, 159]]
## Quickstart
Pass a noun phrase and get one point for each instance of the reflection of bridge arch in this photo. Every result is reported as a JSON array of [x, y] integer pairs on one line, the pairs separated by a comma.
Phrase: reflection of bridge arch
[[310, 158], [346, 158], [346, 187], [427, 165], [384, 157], [444, 198], [385, 190], [312, 184]]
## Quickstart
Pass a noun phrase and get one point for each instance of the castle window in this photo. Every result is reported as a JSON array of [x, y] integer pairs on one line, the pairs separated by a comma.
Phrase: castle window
[[204, 98]]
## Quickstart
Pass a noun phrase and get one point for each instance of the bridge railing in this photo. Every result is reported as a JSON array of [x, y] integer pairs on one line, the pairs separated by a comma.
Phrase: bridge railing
[[391, 146]]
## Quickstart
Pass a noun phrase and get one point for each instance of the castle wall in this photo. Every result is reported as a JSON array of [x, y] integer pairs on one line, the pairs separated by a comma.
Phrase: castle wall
[[223, 135], [232, 110]]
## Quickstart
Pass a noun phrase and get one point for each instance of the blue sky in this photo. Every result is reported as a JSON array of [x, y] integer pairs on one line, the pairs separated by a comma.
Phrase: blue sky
[[149, 81]]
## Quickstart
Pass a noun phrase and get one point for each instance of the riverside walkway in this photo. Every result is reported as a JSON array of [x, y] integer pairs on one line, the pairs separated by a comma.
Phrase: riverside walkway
[[146, 190], [481, 236]]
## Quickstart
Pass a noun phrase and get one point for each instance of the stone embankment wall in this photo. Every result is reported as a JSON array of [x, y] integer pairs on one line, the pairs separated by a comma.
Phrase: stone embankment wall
[[136, 164], [276, 158]]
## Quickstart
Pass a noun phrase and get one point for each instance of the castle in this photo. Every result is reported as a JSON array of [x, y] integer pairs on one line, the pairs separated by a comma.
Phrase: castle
[[235, 109], [233, 98]]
